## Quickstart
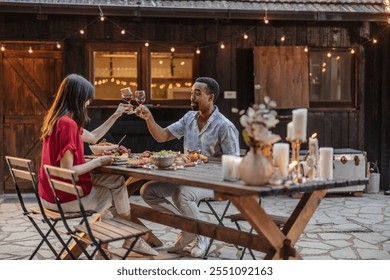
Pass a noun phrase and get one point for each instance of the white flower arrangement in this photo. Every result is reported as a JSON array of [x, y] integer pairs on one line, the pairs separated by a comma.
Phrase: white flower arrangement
[[257, 121]]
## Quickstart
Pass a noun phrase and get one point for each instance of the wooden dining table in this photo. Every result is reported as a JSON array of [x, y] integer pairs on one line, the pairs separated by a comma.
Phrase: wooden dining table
[[276, 242]]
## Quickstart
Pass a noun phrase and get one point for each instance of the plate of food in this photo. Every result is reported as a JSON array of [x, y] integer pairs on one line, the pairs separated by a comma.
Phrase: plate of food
[[120, 160], [196, 156], [102, 147], [137, 162], [164, 159]]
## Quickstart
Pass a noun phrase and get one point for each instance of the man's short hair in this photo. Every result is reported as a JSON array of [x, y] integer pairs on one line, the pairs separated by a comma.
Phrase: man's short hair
[[212, 85]]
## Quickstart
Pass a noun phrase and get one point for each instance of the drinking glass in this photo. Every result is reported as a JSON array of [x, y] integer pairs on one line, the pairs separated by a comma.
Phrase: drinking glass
[[127, 94], [140, 97]]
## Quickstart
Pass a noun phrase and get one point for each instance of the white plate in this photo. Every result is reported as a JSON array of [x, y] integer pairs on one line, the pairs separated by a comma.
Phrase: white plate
[[119, 162]]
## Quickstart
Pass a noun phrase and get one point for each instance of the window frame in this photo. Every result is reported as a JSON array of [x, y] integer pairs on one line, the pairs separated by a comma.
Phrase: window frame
[[195, 73], [354, 82], [144, 79]]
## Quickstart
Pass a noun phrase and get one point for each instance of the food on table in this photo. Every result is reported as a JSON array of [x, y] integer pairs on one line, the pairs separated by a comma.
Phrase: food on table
[[164, 158], [164, 153], [145, 154], [121, 150], [194, 156], [99, 150], [104, 143], [138, 161]]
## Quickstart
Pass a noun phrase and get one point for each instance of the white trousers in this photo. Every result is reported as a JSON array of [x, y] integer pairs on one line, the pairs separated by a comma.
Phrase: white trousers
[[108, 190], [184, 198]]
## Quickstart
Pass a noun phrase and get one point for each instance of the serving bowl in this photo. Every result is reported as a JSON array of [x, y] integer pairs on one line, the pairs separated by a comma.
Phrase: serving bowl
[[98, 150], [163, 161]]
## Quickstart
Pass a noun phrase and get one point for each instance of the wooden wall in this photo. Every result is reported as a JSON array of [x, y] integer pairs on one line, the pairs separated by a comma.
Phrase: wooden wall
[[363, 128]]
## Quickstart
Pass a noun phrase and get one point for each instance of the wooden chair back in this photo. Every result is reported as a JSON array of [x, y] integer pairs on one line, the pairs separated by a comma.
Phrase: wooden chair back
[[21, 169], [101, 231], [66, 174]]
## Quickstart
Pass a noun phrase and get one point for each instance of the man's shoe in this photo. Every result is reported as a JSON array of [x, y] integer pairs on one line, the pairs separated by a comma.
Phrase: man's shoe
[[183, 239], [200, 246], [140, 247]]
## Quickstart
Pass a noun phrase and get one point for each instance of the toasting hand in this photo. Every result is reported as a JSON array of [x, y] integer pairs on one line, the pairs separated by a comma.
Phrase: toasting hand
[[124, 108], [143, 112]]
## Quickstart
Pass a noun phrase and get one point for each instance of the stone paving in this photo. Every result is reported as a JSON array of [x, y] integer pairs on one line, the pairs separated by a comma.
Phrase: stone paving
[[344, 227]]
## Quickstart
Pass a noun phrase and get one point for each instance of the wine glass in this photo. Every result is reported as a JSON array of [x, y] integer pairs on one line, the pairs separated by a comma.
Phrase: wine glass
[[127, 94], [140, 97]]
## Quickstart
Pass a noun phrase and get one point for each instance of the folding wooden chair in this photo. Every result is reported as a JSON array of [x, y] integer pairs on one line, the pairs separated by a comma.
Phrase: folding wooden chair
[[22, 170], [213, 212], [100, 232]]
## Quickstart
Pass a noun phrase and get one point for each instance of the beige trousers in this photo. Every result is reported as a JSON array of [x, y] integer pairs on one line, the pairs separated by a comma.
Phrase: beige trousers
[[108, 190]]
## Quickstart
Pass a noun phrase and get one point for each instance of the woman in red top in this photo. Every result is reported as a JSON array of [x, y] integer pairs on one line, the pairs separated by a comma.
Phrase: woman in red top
[[63, 136]]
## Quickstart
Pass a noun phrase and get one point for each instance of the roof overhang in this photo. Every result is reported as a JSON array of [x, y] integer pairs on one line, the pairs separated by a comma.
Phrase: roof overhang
[[247, 10]]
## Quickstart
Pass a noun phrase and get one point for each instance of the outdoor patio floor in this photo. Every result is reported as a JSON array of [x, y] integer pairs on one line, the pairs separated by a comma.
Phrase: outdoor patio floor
[[344, 227]]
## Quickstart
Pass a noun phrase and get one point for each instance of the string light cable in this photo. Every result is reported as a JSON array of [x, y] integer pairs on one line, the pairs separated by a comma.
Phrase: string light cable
[[222, 45]]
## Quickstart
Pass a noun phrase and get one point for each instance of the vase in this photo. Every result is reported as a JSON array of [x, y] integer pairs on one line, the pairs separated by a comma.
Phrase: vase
[[255, 169]]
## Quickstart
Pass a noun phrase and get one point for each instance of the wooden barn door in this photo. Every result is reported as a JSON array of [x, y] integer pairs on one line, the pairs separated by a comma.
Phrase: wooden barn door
[[28, 82], [282, 73]]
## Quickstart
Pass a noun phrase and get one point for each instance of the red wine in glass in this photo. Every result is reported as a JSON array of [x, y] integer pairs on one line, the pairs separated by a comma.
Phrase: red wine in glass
[[140, 97], [127, 94]]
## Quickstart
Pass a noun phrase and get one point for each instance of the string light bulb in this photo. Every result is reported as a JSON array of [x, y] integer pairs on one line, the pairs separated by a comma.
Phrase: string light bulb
[[266, 21], [123, 32], [352, 51], [245, 36], [30, 50], [101, 13], [58, 45], [197, 51], [2, 48], [306, 49], [283, 38], [172, 49], [329, 54], [374, 40], [82, 31], [222, 45], [147, 44]]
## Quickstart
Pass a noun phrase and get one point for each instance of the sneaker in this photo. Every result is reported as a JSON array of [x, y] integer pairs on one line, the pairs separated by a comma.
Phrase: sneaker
[[183, 239], [140, 247], [200, 246]]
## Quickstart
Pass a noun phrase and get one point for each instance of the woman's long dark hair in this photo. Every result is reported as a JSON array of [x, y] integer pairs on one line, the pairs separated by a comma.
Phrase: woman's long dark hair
[[71, 97]]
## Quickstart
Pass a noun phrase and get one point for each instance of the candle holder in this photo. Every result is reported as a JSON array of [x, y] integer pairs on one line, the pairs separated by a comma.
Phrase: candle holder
[[295, 151]]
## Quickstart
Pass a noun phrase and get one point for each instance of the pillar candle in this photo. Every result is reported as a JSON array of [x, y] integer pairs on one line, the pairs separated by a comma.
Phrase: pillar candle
[[290, 130], [280, 154], [299, 117], [230, 165], [326, 163]]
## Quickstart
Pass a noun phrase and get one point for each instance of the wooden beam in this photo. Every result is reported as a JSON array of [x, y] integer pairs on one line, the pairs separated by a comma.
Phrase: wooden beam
[[302, 214], [211, 230]]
